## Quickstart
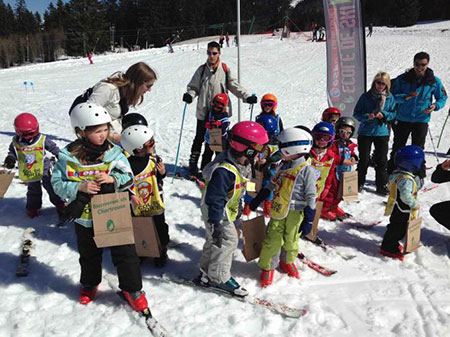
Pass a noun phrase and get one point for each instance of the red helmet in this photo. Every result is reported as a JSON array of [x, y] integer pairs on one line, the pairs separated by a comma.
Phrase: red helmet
[[269, 99], [26, 125], [248, 134], [220, 102], [328, 111]]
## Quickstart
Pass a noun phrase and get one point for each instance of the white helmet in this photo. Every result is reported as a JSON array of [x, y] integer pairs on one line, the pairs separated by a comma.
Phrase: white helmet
[[295, 141], [135, 136], [88, 114]]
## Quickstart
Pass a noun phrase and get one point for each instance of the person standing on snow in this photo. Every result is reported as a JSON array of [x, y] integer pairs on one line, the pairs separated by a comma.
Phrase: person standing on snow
[[210, 79], [414, 92], [118, 92], [441, 211]]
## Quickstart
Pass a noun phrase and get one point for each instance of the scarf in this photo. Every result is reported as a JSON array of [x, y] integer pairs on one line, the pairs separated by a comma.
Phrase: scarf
[[215, 65], [380, 99], [94, 151]]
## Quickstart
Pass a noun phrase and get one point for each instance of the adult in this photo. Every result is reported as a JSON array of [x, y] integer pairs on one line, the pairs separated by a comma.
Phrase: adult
[[210, 79], [118, 92], [375, 108], [414, 92], [370, 30], [441, 210]]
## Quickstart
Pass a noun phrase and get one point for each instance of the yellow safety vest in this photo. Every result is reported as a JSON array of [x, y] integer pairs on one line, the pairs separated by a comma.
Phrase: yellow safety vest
[[322, 170], [145, 187], [80, 173], [393, 195], [31, 160], [285, 181]]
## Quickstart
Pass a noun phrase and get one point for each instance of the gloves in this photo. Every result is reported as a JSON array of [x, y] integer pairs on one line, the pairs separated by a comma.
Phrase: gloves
[[187, 98], [10, 162], [217, 234], [252, 99], [308, 218], [74, 210], [107, 188], [262, 195]]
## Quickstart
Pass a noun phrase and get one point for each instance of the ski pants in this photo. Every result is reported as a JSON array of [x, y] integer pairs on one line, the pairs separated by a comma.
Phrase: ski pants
[[124, 259], [396, 230], [216, 261], [162, 229], [381, 145], [281, 233], [34, 193], [199, 139], [441, 213]]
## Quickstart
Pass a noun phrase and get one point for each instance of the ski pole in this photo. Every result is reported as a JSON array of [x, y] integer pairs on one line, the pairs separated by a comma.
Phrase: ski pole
[[251, 111], [179, 142], [434, 147], [442, 130], [32, 87], [25, 84]]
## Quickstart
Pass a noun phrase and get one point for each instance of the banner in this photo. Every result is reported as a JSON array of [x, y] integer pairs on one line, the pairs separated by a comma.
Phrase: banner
[[346, 54]]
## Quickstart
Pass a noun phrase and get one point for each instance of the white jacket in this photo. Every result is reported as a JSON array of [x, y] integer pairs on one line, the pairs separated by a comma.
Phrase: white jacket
[[107, 95]]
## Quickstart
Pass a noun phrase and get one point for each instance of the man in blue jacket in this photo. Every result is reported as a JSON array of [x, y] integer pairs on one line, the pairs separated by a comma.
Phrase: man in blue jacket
[[414, 91]]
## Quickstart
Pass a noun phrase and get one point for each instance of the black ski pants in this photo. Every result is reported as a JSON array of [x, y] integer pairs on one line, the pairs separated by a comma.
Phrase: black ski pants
[[381, 145], [441, 213], [199, 138], [162, 229], [124, 259], [396, 230]]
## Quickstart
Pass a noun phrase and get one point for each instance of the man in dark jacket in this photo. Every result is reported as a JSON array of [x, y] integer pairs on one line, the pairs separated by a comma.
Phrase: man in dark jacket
[[441, 210]]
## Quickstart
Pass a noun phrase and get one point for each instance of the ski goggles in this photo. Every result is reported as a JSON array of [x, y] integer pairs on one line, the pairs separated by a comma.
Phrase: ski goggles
[[28, 135], [218, 105], [323, 137], [251, 145], [344, 132], [295, 143], [269, 104]]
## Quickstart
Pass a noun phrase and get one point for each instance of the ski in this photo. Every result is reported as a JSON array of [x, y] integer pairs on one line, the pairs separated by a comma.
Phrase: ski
[[317, 267], [25, 255], [428, 188], [275, 308], [358, 224]]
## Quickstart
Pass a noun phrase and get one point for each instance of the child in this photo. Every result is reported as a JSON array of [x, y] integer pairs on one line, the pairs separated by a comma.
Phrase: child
[[218, 118], [149, 172], [344, 151], [269, 103], [226, 179], [403, 205], [331, 115], [88, 166], [29, 148], [323, 160], [293, 206]]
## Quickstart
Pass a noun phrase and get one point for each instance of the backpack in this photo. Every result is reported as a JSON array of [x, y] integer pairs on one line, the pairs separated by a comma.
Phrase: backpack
[[225, 69]]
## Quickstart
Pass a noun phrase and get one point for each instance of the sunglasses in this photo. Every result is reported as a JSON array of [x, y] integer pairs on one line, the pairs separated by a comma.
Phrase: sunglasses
[[270, 104], [212, 53], [344, 132], [418, 64], [380, 83]]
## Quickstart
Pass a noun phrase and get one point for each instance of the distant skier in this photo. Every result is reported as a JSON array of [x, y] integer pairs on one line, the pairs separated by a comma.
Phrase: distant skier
[[370, 30], [90, 58], [168, 43], [221, 39], [227, 39]]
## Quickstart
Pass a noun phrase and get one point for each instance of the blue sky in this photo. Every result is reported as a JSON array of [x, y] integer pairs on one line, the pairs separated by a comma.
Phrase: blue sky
[[34, 5]]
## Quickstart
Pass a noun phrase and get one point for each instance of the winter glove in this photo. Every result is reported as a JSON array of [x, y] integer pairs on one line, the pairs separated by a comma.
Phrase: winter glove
[[187, 98], [10, 162], [74, 210], [217, 234], [107, 188], [262, 195], [252, 99], [308, 218]]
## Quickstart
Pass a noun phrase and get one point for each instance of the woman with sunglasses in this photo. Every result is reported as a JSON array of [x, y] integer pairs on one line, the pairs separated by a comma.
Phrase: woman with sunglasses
[[118, 92], [374, 110]]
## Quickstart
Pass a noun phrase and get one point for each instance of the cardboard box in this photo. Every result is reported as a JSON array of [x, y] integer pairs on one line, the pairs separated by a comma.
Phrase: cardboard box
[[146, 237], [5, 181], [111, 216], [315, 225], [412, 241], [254, 234], [215, 139], [348, 188]]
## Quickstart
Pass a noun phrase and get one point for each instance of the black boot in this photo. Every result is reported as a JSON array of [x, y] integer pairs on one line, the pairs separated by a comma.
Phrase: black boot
[[193, 160]]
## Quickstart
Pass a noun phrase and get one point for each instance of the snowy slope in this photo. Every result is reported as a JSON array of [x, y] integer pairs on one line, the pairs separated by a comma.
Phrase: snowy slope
[[369, 296]]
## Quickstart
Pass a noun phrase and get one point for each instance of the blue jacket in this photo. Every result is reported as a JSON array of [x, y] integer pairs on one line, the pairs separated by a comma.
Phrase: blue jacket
[[366, 105], [429, 86]]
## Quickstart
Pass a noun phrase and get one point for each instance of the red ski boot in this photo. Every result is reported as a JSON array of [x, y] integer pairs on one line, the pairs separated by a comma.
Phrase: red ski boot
[[290, 269], [87, 294], [137, 300], [266, 209], [247, 209], [340, 213], [266, 277], [328, 215], [398, 255]]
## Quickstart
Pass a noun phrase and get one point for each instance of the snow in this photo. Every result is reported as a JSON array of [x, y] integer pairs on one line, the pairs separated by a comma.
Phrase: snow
[[369, 296]]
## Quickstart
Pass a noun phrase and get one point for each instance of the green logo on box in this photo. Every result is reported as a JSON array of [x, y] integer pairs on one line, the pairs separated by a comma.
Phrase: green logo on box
[[110, 225]]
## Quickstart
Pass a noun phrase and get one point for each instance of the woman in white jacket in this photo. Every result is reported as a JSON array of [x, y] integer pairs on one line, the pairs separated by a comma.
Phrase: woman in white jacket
[[118, 92]]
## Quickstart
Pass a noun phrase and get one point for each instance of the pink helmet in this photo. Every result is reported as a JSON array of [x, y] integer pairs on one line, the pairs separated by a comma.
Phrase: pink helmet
[[248, 134]]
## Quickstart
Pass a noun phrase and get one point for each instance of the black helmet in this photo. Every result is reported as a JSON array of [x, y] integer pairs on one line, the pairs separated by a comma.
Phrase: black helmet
[[133, 119], [346, 121]]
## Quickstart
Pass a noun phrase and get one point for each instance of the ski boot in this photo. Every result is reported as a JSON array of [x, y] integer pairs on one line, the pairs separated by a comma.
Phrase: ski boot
[[136, 300], [382, 190], [266, 208], [193, 161], [202, 279], [328, 215], [162, 259], [317, 241], [399, 255], [340, 213], [87, 294], [290, 269], [32, 213], [247, 209], [231, 286], [266, 277]]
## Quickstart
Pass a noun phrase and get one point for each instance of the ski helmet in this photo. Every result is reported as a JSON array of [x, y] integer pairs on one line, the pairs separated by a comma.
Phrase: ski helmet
[[324, 129], [346, 121], [305, 128], [133, 118], [269, 123], [329, 111], [248, 135], [26, 125], [135, 136], [294, 141], [410, 158], [88, 114], [220, 102], [269, 99]]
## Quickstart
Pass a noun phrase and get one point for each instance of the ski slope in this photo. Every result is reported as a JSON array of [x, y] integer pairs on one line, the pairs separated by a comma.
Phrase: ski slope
[[369, 296]]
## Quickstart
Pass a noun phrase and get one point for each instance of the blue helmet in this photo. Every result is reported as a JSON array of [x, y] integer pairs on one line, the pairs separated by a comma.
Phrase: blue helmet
[[410, 158], [269, 123]]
